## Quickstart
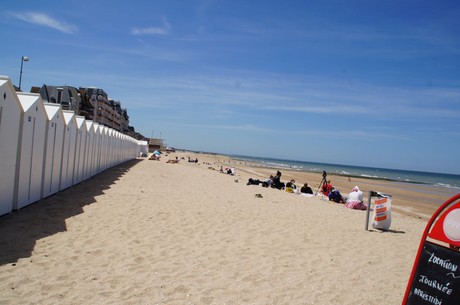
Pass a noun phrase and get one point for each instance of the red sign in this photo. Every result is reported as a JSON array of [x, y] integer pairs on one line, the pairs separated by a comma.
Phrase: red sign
[[447, 228], [435, 276]]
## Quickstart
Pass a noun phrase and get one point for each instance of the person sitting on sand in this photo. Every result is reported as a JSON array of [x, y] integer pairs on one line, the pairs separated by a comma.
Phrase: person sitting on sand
[[335, 196], [231, 171], [355, 200], [306, 189], [156, 155], [277, 181], [327, 187], [291, 187], [252, 181]]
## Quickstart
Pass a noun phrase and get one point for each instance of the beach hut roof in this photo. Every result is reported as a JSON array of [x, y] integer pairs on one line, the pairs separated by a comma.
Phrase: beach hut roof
[[68, 116], [52, 110], [80, 121], [28, 100]]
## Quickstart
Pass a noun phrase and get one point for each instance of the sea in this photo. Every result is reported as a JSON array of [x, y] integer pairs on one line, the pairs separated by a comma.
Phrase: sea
[[436, 180]]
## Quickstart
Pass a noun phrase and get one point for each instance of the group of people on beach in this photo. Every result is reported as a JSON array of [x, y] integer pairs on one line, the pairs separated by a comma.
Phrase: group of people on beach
[[228, 170], [354, 200], [274, 181]]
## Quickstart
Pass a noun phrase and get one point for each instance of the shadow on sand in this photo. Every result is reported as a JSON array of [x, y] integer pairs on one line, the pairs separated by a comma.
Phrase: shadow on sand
[[387, 231], [20, 230]]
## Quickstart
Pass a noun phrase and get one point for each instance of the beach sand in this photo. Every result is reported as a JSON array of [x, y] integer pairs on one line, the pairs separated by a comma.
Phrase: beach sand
[[150, 232]]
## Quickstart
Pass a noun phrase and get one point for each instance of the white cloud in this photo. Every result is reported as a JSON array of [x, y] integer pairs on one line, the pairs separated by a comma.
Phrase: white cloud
[[45, 20], [163, 30], [266, 92]]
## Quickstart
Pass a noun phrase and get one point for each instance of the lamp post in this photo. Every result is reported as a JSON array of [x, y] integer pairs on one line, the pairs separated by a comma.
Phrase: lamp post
[[23, 59]]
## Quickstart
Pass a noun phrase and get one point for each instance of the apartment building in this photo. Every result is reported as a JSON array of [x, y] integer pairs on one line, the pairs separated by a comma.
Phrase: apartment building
[[92, 103]]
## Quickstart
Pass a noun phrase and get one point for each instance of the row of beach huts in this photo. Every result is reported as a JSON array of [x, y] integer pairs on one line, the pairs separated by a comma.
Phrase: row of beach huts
[[45, 149]]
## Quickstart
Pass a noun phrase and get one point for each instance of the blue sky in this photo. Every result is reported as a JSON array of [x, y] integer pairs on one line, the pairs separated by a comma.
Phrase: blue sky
[[369, 83]]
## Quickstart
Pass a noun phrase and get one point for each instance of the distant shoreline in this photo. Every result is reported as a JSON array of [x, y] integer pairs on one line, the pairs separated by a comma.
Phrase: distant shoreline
[[454, 189], [260, 162]]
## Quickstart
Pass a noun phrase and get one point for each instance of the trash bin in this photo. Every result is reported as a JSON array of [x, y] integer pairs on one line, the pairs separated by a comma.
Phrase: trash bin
[[381, 217]]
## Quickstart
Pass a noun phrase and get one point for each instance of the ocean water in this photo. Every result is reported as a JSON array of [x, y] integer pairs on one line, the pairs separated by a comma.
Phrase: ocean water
[[448, 181]]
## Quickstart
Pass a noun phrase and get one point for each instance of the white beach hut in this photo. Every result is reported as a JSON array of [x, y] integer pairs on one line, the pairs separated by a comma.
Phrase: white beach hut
[[53, 149], [68, 149], [142, 147], [103, 131], [131, 152], [105, 150], [121, 147], [126, 147], [10, 123], [80, 149], [129, 148], [94, 168], [88, 158], [116, 147], [119, 152], [31, 150], [111, 148]]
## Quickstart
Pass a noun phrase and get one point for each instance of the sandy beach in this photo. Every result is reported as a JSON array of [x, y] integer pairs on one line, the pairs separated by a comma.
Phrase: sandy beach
[[151, 232]]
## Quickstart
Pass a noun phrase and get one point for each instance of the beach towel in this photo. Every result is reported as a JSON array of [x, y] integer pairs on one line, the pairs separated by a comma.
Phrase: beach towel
[[306, 195]]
